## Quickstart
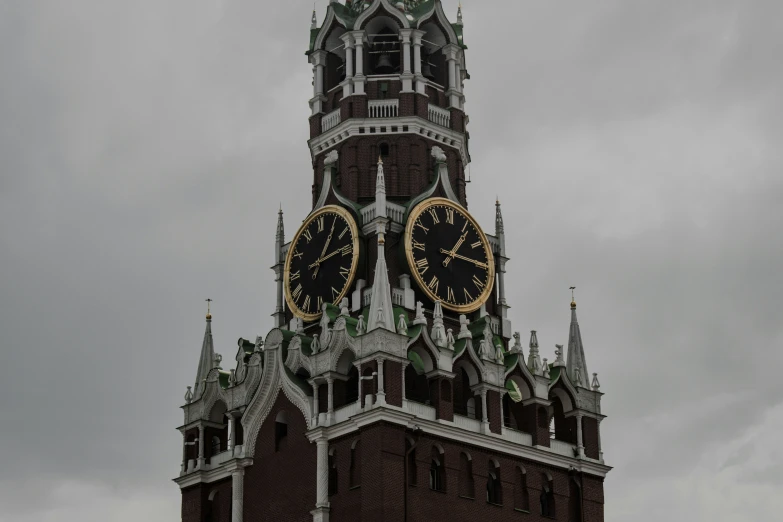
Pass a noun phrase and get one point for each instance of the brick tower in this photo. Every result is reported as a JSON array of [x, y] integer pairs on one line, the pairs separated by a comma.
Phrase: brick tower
[[392, 386]]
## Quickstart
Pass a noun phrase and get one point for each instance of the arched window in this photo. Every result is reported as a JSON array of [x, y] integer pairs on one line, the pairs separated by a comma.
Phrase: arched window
[[574, 501], [521, 494], [213, 507], [332, 472], [547, 497], [384, 150], [494, 488], [411, 464], [466, 487], [215, 445], [471, 407], [355, 470], [281, 431], [437, 471], [416, 386]]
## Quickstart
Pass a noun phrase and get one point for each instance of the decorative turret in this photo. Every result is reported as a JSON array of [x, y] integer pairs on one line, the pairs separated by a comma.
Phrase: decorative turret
[[380, 191], [314, 21], [534, 359], [459, 14], [279, 314], [207, 357], [577, 364], [381, 311]]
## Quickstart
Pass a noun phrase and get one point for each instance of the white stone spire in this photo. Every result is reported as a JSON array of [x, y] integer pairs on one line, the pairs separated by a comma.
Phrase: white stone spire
[[207, 359], [279, 267], [534, 359], [314, 22], [438, 332], [380, 191], [381, 312], [280, 235], [576, 364], [459, 14]]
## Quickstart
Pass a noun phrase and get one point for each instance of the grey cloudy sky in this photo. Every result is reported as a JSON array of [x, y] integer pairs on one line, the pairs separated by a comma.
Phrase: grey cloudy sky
[[145, 147]]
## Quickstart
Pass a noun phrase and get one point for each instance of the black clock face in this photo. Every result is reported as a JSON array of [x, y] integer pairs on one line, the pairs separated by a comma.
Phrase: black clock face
[[449, 255], [321, 262]]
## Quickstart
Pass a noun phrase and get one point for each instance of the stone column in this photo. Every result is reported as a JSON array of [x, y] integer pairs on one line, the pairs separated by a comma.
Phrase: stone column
[[579, 444], [237, 494], [348, 84], [407, 74], [231, 434], [330, 396], [201, 459], [421, 82], [484, 412], [322, 473], [359, 78], [453, 89], [316, 407], [318, 59], [598, 437], [381, 399], [184, 466]]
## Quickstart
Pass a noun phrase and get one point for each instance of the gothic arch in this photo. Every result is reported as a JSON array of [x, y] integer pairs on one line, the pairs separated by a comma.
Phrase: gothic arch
[[375, 10]]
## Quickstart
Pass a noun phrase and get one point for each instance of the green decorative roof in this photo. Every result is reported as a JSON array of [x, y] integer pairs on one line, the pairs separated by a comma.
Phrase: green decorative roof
[[223, 378], [416, 362]]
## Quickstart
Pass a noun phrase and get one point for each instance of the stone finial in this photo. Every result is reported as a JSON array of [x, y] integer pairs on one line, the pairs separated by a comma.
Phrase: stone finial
[[189, 395], [534, 359], [438, 154], [259, 345], [345, 307], [596, 385], [464, 333], [438, 333], [559, 361], [361, 327], [402, 325], [517, 348], [420, 319], [315, 346], [484, 350], [489, 336], [331, 158], [499, 355], [314, 21], [217, 360], [577, 375], [459, 14], [545, 369], [450, 339], [379, 317], [299, 325], [326, 332]]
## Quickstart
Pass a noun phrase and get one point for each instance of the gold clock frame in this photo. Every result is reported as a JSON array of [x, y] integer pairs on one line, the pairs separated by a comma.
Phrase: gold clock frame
[[414, 215], [328, 209]]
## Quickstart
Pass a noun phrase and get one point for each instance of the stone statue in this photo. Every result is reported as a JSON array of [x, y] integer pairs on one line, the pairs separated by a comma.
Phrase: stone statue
[[420, 319], [578, 376], [483, 350], [360, 326], [464, 333], [545, 369], [379, 317], [402, 326], [218, 359], [517, 348], [325, 331], [344, 307], [499, 356], [259, 344], [189, 395]]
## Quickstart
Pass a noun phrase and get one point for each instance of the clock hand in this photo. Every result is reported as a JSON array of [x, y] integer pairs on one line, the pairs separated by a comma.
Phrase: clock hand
[[326, 257], [452, 254], [328, 240]]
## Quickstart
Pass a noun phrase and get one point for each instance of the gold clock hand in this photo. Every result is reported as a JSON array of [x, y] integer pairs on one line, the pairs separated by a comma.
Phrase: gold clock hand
[[453, 251], [326, 257], [328, 240], [452, 254]]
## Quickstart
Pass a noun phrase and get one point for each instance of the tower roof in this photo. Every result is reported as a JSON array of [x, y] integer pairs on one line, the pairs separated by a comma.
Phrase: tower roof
[[576, 364], [206, 359]]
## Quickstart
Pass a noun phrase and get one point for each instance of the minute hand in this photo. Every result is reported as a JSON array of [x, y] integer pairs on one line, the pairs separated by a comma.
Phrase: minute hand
[[453, 254], [326, 257]]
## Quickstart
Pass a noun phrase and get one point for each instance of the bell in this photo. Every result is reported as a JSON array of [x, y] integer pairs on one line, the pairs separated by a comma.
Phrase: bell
[[384, 65], [426, 71]]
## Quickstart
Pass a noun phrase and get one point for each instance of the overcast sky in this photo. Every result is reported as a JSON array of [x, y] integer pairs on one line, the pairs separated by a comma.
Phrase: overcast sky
[[145, 147]]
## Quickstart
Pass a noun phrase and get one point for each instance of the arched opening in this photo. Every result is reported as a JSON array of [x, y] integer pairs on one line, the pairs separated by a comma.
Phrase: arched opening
[[333, 472], [355, 469], [416, 383], [212, 510], [494, 487], [281, 431], [466, 485], [521, 493], [437, 470], [433, 61], [383, 150], [384, 50], [334, 72], [216, 439], [464, 399], [215, 445], [547, 496], [561, 427], [346, 390], [574, 501]]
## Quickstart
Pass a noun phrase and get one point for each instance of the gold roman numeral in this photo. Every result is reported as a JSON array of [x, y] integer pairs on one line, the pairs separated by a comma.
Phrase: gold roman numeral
[[434, 215], [476, 244], [465, 225], [468, 297], [418, 224], [321, 223], [422, 265], [297, 255], [306, 304], [297, 292], [450, 216], [434, 284], [345, 272], [307, 235], [450, 295], [295, 275], [417, 245], [320, 302], [343, 233], [335, 294], [479, 284], [347, 250]]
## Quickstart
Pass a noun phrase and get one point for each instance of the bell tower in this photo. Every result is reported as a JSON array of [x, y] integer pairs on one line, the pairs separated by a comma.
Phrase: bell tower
[[392, 385]]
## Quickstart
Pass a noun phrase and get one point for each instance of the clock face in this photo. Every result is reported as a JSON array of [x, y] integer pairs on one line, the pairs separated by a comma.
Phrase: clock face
[[449, 255], [321, 262]]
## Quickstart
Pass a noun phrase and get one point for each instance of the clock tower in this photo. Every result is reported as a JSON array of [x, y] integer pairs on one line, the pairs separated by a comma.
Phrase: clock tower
[[392, 386]]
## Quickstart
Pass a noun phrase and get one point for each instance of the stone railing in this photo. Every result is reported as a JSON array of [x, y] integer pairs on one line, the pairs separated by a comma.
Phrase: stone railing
[[562, 448], [331, 120], [346, 412], [466, 423], [394, 212], [439, 116], [418, 409], [398, 297], [520, 437], [383, 108]]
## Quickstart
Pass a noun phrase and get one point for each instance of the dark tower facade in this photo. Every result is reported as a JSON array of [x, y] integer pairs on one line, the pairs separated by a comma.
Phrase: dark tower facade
[[392, 386]]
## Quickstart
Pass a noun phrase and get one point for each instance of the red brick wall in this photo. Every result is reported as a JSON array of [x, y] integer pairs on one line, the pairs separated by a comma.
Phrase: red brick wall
[[590, 437], [392, 382], [280, 486], [494, 412]]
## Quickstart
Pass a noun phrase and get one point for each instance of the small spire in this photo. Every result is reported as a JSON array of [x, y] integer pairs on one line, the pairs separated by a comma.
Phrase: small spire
[[576, 364], [314, 22], [573, 299], [499, 228], [207, 356], [596, 385], [280, 236], [459, 14], [534, 359], [380, 191], [381, 308], [209, 313]]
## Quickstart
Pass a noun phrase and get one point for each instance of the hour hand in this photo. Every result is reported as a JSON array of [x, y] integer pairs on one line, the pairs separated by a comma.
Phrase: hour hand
[[474, 261]]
